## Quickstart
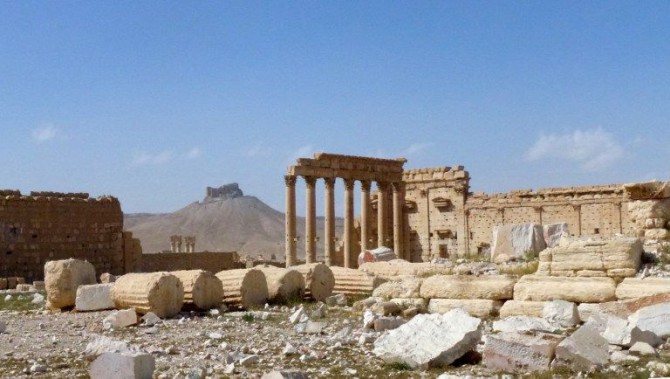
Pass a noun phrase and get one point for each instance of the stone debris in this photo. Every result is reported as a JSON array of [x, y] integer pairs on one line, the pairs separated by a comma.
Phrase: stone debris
[[642, 348], [369, 318], [476, 308], [519, 352], [319, 280], [37, 298], [311, 327], [574, 289], [400, 287], [511, 242], [285, 375], [354, 282], [488, 287], [561, 312], [380, 254], [387, 323], [202, 289], [632, 288], [283, 284], [120, 319], [61, 279], [94, 297], [123, 365], [103, 344], [339, 299], [298, 316], [246, 288], [158, 292], [386, 308], [522, 308], [552, 233], [585, 349], [150, 319], [430, 340], [621, 332], [655, 318], [524, 324]]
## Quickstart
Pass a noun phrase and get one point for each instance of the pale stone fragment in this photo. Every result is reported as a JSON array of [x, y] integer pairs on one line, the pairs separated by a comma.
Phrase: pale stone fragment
[[585, 349], [475, 307], [522, 308], [123, 365], [519, 352], [621, 308], [94, 297], [106, 277], [516, 241], [561, 312], [523, 324], [158, 292], [655, 318], [399, 267], [642, 348], [419, 303], [285, 375], [62, 278], [380, 254], [578, 290], [120, 319], [430, 340], [632, 288], [387, 323], [490, 287], [552, 233], [401, 287], [103, 344], [620, 332]]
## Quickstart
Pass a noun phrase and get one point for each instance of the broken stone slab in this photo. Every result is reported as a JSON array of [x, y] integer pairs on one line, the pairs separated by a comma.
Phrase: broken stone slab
[[61, 279], [399, 267], [642, 348], [297, 316], [369, 318], [103, 344], [577, 290], [94, 297], [387, 323], [487, 287], [552, 233], [386, 308], [522, 308], [380, 254], [511, 242], [403, 287], [584, 350], [561, 312], [364, 304], [620, 332], [150, 319], [476, 308], [524, 324], [311, 327], [120, 319], [519, 352], [285, 375], [123, 365], [621, 308], [655, 318], [418, 303], [430, 340], [338, 299], [632, 288]]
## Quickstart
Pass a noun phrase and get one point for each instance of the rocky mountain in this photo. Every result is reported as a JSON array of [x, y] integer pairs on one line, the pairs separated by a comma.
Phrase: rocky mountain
[[226, 220]]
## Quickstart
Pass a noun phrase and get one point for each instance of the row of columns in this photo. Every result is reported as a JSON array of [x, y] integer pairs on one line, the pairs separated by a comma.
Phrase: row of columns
[[329, 215]]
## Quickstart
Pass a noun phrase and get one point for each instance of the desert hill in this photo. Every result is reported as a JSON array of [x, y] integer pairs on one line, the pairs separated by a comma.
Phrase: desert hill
[[226, 220]]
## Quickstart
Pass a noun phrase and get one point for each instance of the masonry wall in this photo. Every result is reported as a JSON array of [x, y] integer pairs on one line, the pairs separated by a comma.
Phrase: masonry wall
[[49, 226], [210, 261]]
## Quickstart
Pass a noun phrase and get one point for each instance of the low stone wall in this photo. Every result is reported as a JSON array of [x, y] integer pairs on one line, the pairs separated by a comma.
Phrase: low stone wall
[[213, 262]]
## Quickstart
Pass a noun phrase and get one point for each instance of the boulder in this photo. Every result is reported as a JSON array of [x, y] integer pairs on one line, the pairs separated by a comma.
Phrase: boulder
[[655, 318], [354, 282], [522, 308], [61, 279], [103, 344], [319, 280], [519, 352], [631, 288], [642, 348], [401, 287], [123, 365], [159, 292], [584, 350], [202, 289], [380, 254], [120, 319], [284, 284], [400, 267], [477, 307], [552, 233], [621, 308], [94, 297], [620, 332], [518, 242], [489, 287], [561, 312], [430, 340], [578, 290], [245, 288]]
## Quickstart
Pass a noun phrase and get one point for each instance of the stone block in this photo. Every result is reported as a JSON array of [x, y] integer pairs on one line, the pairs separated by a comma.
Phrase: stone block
[[402, 287], [123, 365], [400, 267], [3, 284], [620, 332], [654, 318], [620, 308], [516, 242], [120, 319], [561, 312], [158, 292], [489, 287], [107, 278], [38, 285], [578, 290], [380, 254], [524, 324], [475, 307], [584, 350], [631, 288], [522, 308], [354, 282], [519, 352], [552, 233], [62, 279], [386, 308], [94, 297], [418, 303], [24, 288], [430, 340]]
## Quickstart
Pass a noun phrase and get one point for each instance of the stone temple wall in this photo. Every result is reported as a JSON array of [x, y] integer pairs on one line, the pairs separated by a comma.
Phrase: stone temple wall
[[210, 261], [50, 225]]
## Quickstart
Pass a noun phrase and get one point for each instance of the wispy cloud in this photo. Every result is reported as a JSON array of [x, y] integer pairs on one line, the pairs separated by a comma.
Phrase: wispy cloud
[[194, 153], [592, 150], [44, 134], [144, 158], [258, 150], [416, 148]]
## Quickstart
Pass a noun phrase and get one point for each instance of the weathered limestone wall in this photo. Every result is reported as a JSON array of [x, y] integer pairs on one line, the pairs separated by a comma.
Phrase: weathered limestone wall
[[51, 226], [213, 262]]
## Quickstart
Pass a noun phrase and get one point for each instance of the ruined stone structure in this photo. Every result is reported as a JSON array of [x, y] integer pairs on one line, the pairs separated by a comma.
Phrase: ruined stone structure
[[228, 191], [182, 244], [436, 216], [210, 261], [46, 226], [387, 173]]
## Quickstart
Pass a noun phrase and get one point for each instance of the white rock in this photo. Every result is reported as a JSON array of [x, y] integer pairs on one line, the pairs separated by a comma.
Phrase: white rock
[[320, 311], [297, 316], [94, 297], [655, 318], [249, 360], [561, 312], [150, 319], [369, 318], [513, 241], [430, 340], [285, 375], [585, 349], [622, 357], [552, 233], [37, 298], [512, 351], [289, 350], [123, 365], [620, 332], [120, 319], [8, 298], [523, 324], [642, 348], [37, 367], [103, 344], [215, 335], [339, 299]]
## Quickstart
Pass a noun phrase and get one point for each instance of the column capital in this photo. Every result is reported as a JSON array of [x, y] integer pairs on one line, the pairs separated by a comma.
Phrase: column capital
[[397, 186], [349, 184], [289, 180], [310, 181], [329, 182], [383, 186], [365, 185]]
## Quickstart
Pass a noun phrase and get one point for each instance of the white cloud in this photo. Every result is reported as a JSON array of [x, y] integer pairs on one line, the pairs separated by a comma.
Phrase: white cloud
[[144, 158], [258, 150], [416, 148], [44, 134], [592, 150], [193, 153]]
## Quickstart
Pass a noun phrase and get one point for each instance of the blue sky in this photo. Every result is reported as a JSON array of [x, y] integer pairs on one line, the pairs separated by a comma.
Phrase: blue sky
[[153, 101]]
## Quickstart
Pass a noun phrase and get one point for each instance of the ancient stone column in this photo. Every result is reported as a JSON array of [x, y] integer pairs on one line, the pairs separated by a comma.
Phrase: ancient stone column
[[349, 260], [365, 209], [179, 244], [398, 199], [290, 221], [382, 194], [310, 220], [173, 243], [329, 228]]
